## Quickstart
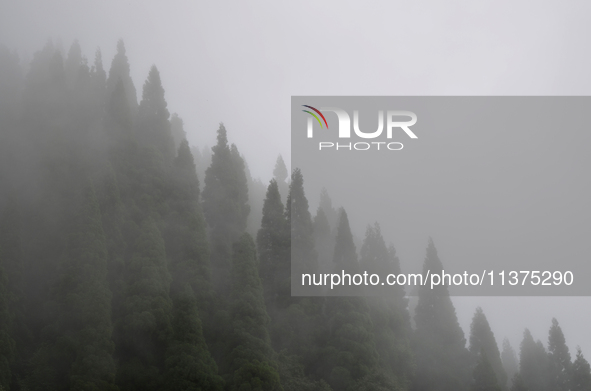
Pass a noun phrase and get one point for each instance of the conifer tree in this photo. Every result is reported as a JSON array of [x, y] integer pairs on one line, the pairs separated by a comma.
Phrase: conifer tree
[[323, 242], [388, 310], [250, 361], [326, 205], [120, 71], [438, 337], [273, 249], [345, 254], [559, 359], [177, 130], [280, 174], [581, 373], [484, 378], [145, 329], [225, 205], [72, 63], [483, 339], [80, 354], [509, 359], [303, 254], [533, 363], [153, 127]]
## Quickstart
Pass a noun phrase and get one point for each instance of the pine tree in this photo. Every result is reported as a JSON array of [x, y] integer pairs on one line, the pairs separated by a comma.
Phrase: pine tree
[[225, 206], [189, 364], [72, 63], [326, 205], [438, 337], [323, 242], [303, 255], [509, 359], [153, 127], [145, 330], [345, 254], [80, 354], [273, 248], [484, 378], [280, 174], [177, 130], [483, 339], [533, 363], [388, 310], [559, 359], [581, 373], [120, 71], [250, 361]]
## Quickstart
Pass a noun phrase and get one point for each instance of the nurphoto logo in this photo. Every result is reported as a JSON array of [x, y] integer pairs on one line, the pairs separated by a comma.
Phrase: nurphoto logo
[[394, 120]]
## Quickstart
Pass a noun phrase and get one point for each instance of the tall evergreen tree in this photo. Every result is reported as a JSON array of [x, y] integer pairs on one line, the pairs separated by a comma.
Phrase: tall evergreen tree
[[509, 359], [517, 383], [439, 344], [331, 213], [559, 359], [225, 205], [273, 248], [533, 363], [177, 130], [153, 127], [120, 71], [250, 361], [483, 339], [280, 174], [581, 373], [484, 378], [145, 330], [323, 242], [351, 353]]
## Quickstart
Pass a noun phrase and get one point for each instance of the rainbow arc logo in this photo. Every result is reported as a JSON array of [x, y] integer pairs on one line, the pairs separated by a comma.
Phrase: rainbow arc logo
[[315, 116]]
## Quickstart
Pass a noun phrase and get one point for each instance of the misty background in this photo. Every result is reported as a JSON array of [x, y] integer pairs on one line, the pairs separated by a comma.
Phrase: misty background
[[240, 63]]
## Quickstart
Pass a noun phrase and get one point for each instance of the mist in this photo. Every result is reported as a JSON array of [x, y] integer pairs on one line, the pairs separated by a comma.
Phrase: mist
[[240, 63]]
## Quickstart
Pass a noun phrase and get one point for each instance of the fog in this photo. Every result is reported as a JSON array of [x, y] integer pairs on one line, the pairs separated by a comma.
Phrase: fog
[[240, 62]]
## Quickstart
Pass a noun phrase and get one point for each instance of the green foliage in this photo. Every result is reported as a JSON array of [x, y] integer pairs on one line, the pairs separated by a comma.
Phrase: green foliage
[[581, 373], [441, 357], [484, 377], [153, 127], [533, 363], [509, 359], [250, 361], [145, 328], [560, 365], [120, 70], [482, 339], [225, 205]]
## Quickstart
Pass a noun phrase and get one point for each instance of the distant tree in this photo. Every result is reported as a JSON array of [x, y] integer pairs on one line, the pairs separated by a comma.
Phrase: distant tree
[[351, 353], [72, 63], [120, 71], [345, 254], [177, 130], [273, 247], [326, 205], [153, 127], [256, 197], [280, 174], [581, 373], [484, 378], [324, 242], [483, 339], [559, 359], [441, 357], [225, 205], [250, 359], [509, 359], [145, 329], [388, 311], [533, 363]]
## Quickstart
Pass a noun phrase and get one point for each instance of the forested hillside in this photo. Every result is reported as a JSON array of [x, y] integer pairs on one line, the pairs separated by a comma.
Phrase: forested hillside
[[131, 260]]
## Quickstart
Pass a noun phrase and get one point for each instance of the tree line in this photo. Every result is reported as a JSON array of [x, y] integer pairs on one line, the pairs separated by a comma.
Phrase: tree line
[[130, 260]]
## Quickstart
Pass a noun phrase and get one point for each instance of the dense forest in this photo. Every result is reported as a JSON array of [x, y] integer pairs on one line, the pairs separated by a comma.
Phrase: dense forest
[[130, 260]]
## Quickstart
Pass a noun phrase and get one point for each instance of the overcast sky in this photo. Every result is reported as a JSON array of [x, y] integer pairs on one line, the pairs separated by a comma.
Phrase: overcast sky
[[239, 62]]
